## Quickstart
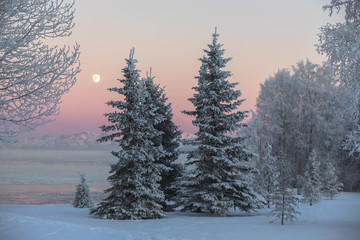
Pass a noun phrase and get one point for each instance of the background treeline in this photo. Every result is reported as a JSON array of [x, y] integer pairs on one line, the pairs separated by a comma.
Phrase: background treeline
[[302, 110]]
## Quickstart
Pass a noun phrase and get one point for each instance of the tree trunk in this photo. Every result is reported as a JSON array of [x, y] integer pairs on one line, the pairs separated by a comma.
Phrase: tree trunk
[[283, 210]]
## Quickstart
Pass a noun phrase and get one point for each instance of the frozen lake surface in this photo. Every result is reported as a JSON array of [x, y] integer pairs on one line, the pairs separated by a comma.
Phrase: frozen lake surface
[[60, 167], [44, 194], [41, 176]]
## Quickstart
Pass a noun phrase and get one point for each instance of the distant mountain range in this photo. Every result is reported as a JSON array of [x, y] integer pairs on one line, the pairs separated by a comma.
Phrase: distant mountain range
[[84, 140], [187, 135]]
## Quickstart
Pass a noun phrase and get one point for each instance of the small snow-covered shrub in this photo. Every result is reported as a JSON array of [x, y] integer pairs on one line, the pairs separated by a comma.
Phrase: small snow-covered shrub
[[83, 197]]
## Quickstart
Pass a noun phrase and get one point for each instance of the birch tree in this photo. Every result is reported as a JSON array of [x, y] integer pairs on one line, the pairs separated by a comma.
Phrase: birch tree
[[34, 75], [298, 111], [341, 43]]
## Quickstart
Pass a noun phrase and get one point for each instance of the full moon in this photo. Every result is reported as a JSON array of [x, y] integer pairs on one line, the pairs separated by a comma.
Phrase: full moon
[[95, 78]]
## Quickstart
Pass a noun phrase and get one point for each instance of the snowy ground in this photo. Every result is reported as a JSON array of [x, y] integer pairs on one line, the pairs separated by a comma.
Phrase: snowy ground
[[336, 219]]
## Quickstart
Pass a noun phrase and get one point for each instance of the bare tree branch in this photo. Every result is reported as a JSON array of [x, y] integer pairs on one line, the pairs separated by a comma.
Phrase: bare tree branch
[[33, 75]]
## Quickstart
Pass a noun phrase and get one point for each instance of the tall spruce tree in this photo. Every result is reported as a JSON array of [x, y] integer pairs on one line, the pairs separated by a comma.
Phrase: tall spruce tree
[[135, 192], [220, 176], [169, 140], [312, 179]]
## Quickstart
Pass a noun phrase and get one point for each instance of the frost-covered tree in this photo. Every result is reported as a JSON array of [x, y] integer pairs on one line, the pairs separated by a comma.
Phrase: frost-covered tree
[[331, 185], [341, 43], [298, 111], [285, 203], [277, 111], [219, 175], [83, 197], [268, 174], [169, 139], [312, 180], [352, 142], [135, 191], [33, 74]]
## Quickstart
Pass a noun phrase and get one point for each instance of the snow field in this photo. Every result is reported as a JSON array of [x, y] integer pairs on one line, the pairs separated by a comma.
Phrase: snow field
[[337, 219]]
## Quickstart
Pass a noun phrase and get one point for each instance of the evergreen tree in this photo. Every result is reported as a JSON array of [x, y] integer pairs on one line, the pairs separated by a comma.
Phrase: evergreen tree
[[284, 200], [135, 192], [219, 178], [312, 183], [83, 197], [331, 184], [169, 140], [267, 175]]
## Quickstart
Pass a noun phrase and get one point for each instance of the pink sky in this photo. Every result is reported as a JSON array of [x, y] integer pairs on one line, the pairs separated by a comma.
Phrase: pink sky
[[260, 35]]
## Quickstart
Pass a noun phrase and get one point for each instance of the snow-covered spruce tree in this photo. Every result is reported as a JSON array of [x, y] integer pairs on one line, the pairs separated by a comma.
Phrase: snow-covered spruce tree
[[268, 175], [83, 197], [331, 185], [169, 140], [283, 198], [135, 192], [312, 181], [219, 178]]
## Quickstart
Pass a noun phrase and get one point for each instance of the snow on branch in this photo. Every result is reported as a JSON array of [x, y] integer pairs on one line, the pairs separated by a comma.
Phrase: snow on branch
[[33, 75]]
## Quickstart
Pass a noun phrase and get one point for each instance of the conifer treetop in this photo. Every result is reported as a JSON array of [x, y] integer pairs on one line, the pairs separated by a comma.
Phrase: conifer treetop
[[221, 97]]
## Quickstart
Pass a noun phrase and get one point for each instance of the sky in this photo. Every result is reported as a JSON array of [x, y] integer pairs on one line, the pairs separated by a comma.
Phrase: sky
[[261, 36]]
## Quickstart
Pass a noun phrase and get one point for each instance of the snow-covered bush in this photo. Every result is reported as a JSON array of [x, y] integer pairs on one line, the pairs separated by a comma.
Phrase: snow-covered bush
[[83, 197]]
